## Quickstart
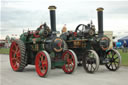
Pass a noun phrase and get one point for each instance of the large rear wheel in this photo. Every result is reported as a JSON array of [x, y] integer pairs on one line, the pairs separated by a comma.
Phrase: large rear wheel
[[71, 61], [18, 58], [91, 61], [43, 63], [114, 60]]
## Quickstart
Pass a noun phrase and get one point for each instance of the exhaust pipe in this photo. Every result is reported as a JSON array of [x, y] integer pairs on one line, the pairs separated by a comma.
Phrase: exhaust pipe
[[100, 21], [53, 18]]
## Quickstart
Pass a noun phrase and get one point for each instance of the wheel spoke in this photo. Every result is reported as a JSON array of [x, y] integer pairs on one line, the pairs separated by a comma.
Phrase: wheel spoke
[[13, 59], [72, 65], [69, 61], [14, 45], [112, 66], [16, 48], [93, 67], [113, 54], [115, 65], [13, 50], [40, 66], [116, 58], [116, 62], [43, 60], [18, 60], [44, 63], [109, 65], [15, 65], [67, 55], [42, 57], [68, 67], [88, 66], [43, 70], [18, 53], [18, 64], [43, 67]]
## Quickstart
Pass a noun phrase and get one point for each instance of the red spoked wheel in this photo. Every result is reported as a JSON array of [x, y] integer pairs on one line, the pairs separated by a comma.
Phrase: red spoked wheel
[[71, 61], [18, 60], [43, 63]]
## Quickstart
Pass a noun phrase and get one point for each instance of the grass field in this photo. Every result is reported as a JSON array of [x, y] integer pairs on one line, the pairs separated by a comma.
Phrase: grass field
[[4, 50], [124, 55]]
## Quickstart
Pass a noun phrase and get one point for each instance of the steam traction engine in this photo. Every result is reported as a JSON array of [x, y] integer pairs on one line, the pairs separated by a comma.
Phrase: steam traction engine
[[91, 48], [43, 49]]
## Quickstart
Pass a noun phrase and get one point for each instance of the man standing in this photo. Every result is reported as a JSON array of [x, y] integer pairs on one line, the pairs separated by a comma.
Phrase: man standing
[[125, 46]]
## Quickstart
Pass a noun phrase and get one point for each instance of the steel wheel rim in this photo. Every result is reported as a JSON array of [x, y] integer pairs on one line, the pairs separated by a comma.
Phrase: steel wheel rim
[[70, 62], [41, 64], [15, 56], [114, 60]]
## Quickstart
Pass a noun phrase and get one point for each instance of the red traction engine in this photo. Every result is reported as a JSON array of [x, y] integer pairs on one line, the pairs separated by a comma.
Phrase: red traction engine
[[43, 49]]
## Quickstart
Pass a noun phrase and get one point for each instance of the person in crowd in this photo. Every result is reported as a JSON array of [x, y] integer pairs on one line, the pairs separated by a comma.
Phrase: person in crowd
[[64, 29], [125, 46], [114, 45]]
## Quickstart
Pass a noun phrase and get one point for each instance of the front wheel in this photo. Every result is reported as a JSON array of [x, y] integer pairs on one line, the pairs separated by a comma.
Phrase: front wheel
[[114, 60], [71, 61], [91, 61], [42, 63]]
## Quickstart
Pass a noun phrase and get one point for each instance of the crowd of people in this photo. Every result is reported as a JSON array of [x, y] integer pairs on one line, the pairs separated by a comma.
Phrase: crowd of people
[[119, 45]]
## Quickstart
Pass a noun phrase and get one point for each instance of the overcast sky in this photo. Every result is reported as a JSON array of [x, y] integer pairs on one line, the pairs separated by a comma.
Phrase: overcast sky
[[17, 15]]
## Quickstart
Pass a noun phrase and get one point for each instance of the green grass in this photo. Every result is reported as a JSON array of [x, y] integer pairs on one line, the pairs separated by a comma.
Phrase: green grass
[[124, 58], [4, 50], [124, 55]]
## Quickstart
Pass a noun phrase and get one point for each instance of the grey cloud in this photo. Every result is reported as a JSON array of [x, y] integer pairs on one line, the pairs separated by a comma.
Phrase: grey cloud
[[68, 12], [20, 18]]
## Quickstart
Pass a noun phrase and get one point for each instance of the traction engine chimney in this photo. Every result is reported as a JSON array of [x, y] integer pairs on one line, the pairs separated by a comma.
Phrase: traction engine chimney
[[53, 18], [100, 21]]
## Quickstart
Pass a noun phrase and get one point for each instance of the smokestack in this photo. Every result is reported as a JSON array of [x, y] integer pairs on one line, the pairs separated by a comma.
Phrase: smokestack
[[100, 21], [52, 17]]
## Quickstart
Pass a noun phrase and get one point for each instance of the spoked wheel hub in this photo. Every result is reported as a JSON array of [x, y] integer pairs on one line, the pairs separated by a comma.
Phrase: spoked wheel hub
[[91, 61], [114, 60], [71, 61]]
